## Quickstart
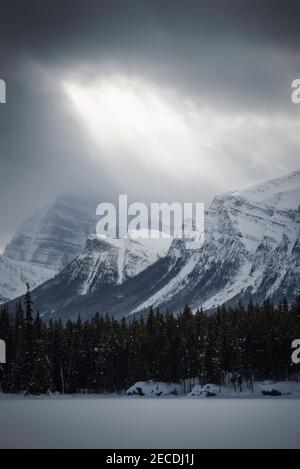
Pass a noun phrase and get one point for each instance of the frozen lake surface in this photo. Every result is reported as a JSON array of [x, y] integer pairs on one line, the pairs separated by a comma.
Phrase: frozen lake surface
[[125, 422]]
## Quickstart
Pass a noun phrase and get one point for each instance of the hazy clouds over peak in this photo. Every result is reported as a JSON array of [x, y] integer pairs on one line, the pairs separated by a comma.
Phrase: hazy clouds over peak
[[222, 69]]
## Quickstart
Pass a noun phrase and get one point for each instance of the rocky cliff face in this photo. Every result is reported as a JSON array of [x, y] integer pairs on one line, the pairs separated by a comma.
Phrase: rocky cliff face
[[107, 262], [251, 247]]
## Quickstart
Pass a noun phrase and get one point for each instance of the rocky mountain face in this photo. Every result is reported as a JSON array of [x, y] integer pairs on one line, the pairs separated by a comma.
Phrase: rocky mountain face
[[55, 235], [251, 250], [45, 243], [261, 259], [106, 262], [58, 239], [15, 274], [112, 276]]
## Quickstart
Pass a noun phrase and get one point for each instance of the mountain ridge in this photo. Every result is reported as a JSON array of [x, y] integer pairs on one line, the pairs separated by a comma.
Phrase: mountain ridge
[[251, 251]]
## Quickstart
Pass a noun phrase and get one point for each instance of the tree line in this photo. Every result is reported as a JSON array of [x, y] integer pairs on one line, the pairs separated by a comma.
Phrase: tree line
[[105, 355]]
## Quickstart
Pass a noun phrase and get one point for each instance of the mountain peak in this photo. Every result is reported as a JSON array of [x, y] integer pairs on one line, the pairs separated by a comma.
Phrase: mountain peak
[[268, 189]]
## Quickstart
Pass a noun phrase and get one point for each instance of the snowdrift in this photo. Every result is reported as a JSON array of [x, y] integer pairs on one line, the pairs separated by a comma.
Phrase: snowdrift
[[269, 388], [153, 388], [205, 390]]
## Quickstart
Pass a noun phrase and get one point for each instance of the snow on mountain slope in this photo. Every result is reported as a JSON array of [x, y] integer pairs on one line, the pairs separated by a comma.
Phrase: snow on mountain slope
[[272, 189], [45, 243], [266, 219], [251, 249], [93, 281], [14, 275], [96, 279], [53, 236], [261, 207], [178, 281], [112, 261]]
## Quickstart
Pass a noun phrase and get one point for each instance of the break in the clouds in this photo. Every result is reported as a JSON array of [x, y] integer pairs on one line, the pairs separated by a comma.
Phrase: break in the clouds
[[161, 100]]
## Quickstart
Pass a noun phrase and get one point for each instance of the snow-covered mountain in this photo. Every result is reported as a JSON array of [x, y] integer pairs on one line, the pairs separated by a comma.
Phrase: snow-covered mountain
[[15, 274], [54, 235], [106, 261], [95, 280], [251, 250], [45, 243]]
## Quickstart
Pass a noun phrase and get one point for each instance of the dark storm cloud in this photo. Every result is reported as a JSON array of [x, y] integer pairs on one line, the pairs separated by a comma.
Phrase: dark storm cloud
[[235, 56], [245, 46], [42, 25]]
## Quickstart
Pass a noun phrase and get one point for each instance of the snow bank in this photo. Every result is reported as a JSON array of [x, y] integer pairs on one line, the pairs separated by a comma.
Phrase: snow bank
[[205, 390], [153, 388], [269, 388]]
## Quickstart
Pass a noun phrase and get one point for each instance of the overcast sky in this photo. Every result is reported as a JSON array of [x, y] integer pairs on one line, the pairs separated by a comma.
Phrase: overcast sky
[[163, 100]]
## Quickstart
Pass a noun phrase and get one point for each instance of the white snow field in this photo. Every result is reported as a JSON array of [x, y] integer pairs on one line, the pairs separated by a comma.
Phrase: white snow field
[[133, 422]]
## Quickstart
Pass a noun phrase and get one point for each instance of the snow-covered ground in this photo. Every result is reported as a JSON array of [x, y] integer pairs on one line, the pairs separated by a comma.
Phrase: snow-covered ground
[[134, 422], [155, 415]]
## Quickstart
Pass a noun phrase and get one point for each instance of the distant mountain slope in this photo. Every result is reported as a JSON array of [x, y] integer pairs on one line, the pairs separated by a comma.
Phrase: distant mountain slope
[[53, 236], [45, 243], [15, 274]]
